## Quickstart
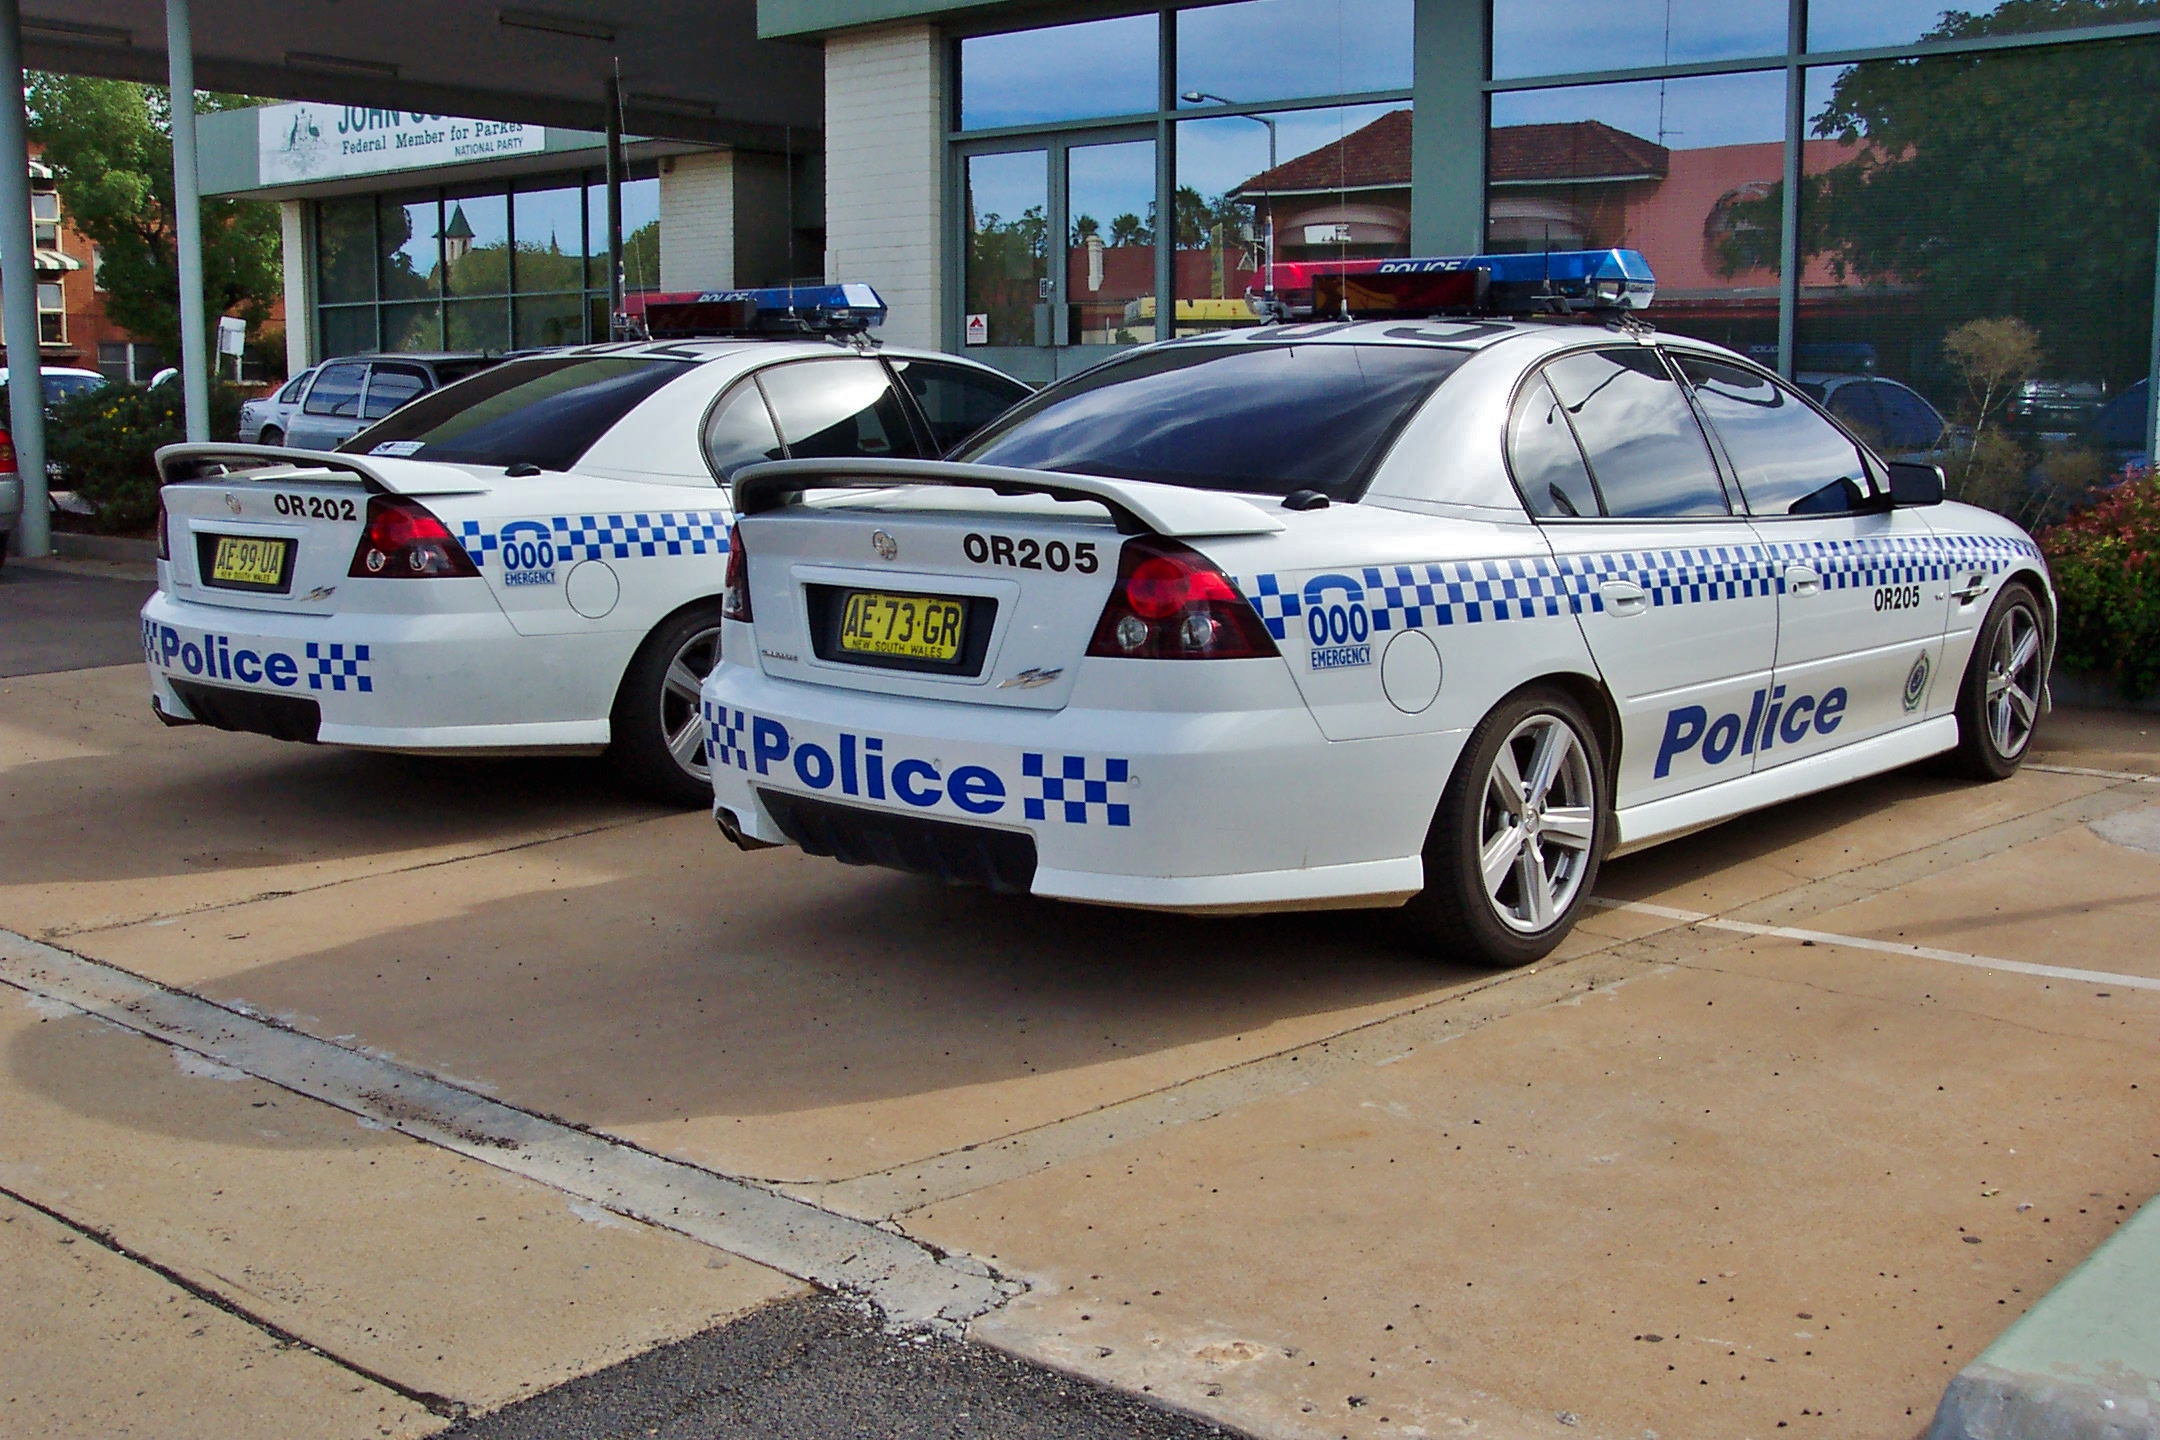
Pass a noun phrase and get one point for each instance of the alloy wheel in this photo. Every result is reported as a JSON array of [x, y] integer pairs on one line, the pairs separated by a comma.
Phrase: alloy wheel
[[1537, 824], [682, 715], [2013, 681]]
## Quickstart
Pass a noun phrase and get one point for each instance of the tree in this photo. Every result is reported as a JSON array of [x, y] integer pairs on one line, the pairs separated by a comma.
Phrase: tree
[[2004, 183], [111, 143]]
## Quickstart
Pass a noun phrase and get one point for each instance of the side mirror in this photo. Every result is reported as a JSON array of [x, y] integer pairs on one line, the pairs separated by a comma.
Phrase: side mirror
[[1912, 483]]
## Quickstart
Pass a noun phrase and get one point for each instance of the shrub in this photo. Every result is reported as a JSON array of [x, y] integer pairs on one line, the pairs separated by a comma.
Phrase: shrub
[[2106, 564], [105, 443]]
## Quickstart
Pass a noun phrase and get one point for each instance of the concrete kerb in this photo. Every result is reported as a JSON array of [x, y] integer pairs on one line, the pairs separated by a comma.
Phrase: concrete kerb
[[913, 1287], [2082, 1364]]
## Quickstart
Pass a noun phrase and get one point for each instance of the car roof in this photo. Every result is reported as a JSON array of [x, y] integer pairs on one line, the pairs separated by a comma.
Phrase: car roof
[[59, 370], [1537, 335], [704, 350]]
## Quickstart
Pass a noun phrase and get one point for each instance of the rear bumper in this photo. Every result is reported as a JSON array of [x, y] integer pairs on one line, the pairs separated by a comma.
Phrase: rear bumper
[[1228, 809], [457, 682]]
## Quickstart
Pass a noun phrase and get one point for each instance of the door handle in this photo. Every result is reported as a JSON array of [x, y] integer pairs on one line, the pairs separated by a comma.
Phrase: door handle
[[1800, 580], [1624, 597], [1971, 590]]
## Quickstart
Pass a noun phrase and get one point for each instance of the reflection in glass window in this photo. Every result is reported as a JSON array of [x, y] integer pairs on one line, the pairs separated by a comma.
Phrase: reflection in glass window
[[550, 230], [1264, 50], [837, 409], [476, 245], [640, 234], [476, 325], [1567, 37], [345, 251], [1788, 459], [1007, 261], [409, 230], [412, 327], [1110, 252], [1646, 452], [1064, 72], [1339, 188], [348, 329], [337, 392], [1864, 24], [1977, 216], [1686, 171], [1547, 462], [544, 320], [957, 400], [741, 432]]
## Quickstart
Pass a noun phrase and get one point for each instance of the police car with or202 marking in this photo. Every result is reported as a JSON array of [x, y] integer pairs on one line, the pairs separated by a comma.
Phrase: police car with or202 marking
[[1436, 610], [529, 560]]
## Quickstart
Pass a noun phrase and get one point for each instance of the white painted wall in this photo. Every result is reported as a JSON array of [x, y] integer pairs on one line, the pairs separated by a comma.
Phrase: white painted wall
[[884, 185], [697, 221], [299, 304]]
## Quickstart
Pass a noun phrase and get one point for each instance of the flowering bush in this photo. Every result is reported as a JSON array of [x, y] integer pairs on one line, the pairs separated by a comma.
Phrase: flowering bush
[[105, 442], [2106, 564]]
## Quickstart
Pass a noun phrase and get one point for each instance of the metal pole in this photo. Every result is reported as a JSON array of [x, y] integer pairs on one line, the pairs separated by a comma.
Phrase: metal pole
[[1791, 263], [187, 220], [2152, 378], [18, 276], [614, 209]]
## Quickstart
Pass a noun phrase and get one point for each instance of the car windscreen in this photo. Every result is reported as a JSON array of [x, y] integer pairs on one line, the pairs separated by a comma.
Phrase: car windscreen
[[546, 411], [1264, 417]]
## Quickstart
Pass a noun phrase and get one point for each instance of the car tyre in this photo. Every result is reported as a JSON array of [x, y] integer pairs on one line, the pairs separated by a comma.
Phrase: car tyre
[[1514, 846], [1999, 699], [271, 435], [658, 728]]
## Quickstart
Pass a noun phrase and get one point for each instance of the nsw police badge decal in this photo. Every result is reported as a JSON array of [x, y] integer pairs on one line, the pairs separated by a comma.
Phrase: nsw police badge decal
[[1916, 682]]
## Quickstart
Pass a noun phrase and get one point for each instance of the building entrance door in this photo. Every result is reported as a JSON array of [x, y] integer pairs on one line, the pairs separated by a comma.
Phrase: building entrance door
[[1058, 252]]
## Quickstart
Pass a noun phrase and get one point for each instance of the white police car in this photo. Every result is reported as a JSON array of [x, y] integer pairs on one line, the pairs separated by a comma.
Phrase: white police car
[[1337, 614], [529, 560]]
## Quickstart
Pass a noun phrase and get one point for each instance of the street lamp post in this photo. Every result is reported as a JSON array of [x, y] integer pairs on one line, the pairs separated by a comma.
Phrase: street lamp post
[[1198, 97]]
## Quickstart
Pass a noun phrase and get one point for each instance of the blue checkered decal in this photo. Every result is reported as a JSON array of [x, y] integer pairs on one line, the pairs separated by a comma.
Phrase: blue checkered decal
[[613, 537], [723, 736], [338, 667], [1471, 592], [1065, 791]]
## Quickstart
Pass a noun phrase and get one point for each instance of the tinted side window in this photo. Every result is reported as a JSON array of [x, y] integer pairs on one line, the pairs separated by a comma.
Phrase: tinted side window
[[292, 390], [390, 386], [1789, 460], [337, 391], [740, 432], [1547, 462], [547, 411], [837, 410], [956, 399], [1646, 452], [1856, 405]]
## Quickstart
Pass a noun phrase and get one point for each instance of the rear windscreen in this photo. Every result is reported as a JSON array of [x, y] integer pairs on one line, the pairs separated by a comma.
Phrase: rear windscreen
[[1264, 418], [546, 411]]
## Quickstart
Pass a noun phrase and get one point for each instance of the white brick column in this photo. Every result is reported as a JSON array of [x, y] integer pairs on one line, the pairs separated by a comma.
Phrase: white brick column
[[697, 221], [885, 173], [299, 293]]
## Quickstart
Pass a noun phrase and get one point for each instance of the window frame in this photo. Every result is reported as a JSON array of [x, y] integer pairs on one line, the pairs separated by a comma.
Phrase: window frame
[[1871, 464]]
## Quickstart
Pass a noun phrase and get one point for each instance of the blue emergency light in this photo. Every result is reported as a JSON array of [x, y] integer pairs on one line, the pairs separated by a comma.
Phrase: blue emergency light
[[845, 309], [1536, 282]]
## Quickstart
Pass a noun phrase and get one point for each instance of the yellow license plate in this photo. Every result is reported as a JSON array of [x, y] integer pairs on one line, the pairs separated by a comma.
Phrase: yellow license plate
[[251, 561], [910, 627]]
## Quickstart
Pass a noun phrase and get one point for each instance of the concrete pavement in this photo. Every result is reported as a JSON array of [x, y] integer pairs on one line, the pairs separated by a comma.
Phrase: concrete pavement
[[1221, 1155]]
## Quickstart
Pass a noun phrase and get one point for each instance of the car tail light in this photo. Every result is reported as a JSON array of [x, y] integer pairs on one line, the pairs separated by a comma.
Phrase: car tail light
[[735, 597], [1171, 603], [7, 453], [404, 540], [164, 530]]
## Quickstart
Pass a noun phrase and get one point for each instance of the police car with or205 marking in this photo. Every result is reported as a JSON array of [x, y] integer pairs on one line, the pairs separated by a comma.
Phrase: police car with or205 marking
[[527, 561], [1433, 610]]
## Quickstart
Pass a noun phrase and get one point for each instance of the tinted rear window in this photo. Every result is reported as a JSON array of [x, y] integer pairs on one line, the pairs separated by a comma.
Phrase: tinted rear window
[[546, 412], [1263, 418]]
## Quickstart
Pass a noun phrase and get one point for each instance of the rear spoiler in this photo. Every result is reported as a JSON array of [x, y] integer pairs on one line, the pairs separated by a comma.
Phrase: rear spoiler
[[1138, 506], [210, 461]]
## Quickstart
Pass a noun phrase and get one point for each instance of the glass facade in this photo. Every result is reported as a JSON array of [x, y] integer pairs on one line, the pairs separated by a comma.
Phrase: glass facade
[[478, 269], [1963, 266], [1262, 128]]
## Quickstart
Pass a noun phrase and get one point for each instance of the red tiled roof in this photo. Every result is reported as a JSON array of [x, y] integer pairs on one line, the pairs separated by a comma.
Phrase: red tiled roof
[[1377, 156]]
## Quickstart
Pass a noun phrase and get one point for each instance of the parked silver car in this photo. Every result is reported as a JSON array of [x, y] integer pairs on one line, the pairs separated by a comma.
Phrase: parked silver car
[[321, 407]]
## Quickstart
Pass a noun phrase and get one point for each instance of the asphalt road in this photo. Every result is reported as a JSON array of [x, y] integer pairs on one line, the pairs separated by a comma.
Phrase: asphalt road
[[818, 1369], [56, 616]]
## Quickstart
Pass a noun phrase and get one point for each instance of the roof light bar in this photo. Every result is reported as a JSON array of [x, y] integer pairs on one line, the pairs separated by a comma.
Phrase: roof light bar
[[847, 309], [1539, 282]]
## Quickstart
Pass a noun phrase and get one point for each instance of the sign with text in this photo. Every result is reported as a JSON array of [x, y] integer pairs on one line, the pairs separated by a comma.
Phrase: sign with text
[[309, 141]]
